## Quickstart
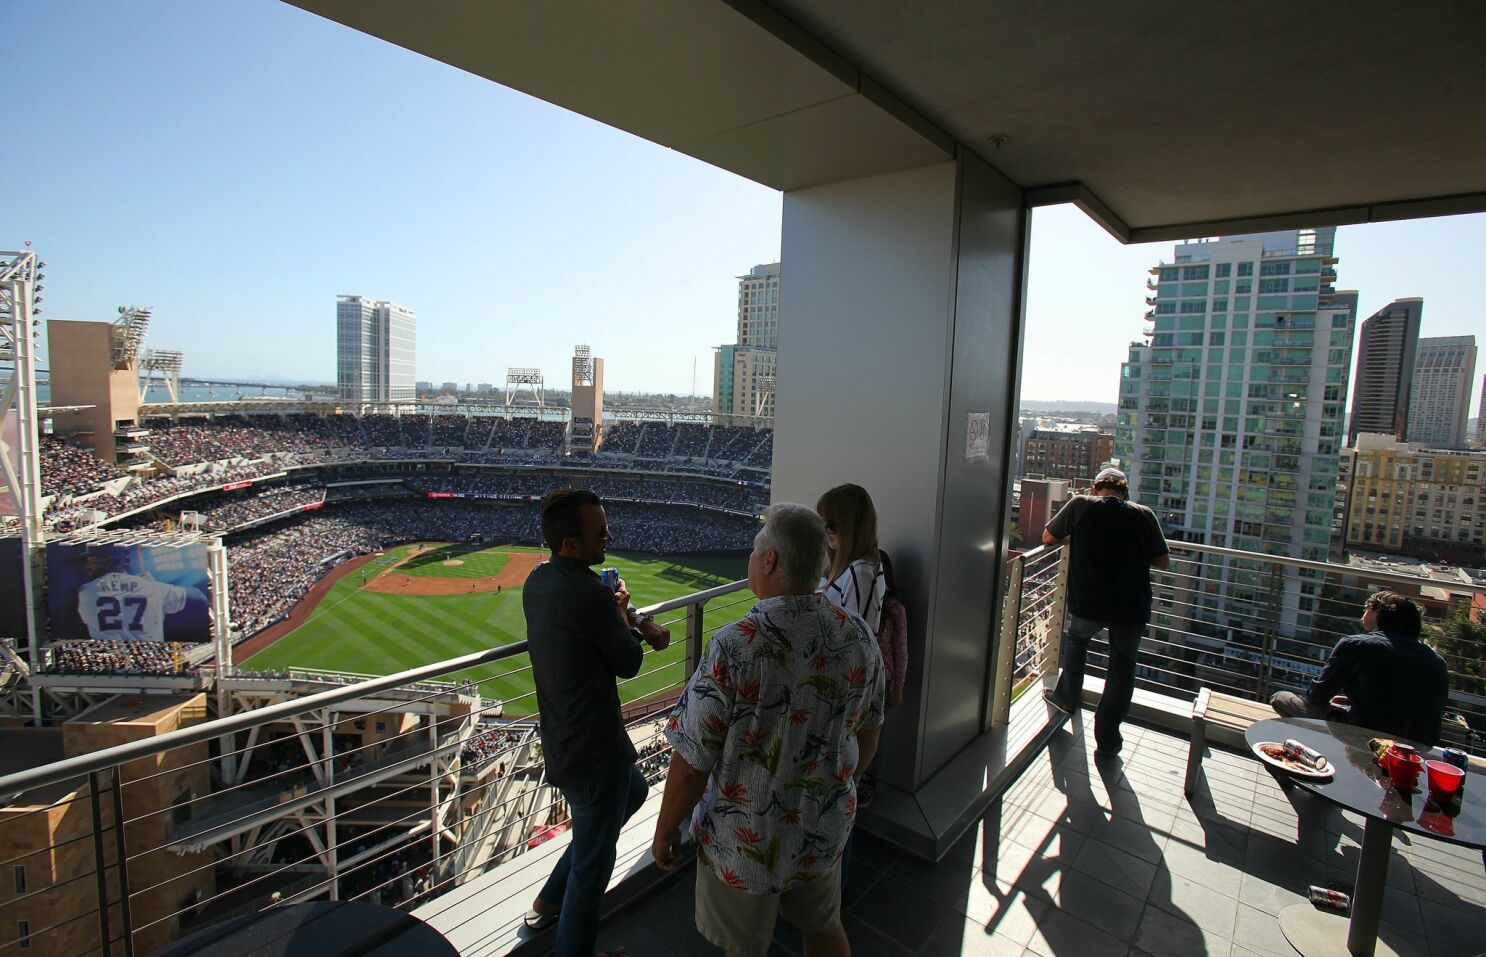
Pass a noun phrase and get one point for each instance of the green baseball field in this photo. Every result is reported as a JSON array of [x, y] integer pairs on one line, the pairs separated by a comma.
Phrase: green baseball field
[[418, 604]]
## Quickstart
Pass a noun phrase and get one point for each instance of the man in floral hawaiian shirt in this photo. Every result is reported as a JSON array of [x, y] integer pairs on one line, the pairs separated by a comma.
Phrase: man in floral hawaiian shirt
[[769, 739]]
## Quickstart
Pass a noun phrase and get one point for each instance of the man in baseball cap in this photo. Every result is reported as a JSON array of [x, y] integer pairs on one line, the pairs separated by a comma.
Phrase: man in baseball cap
[[1114, 544]]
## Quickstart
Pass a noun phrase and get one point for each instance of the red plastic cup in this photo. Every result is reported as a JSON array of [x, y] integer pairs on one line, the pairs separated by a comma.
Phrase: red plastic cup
[[1444, 778]]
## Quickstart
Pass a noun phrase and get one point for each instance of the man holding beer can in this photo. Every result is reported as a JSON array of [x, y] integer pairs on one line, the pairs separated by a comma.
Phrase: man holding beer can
[[583, 636]]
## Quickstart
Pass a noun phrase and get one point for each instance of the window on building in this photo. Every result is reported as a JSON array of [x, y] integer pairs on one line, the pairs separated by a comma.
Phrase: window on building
[[20, 878], [23, 934]]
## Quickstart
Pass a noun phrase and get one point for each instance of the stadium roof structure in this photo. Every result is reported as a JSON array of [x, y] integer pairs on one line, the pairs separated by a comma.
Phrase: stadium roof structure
[[1163, 120]]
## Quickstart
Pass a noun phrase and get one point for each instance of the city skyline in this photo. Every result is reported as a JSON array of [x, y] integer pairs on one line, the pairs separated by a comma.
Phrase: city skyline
[[495, 216]]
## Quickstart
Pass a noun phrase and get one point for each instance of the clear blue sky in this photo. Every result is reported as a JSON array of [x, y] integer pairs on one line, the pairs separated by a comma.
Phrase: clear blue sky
[[237, 163]]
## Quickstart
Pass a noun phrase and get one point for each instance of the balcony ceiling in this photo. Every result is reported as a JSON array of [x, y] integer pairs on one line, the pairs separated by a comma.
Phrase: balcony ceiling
[[1168, 119]]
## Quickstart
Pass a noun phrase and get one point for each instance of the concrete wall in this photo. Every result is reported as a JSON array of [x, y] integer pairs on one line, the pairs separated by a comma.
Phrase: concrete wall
[[898, 306]]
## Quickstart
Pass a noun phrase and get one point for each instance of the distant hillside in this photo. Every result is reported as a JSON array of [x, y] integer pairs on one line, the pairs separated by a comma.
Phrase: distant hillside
[[1064, 405]]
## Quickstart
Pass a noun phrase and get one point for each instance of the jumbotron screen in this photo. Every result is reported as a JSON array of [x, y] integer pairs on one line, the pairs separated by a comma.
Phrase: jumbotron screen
[[128, 592]]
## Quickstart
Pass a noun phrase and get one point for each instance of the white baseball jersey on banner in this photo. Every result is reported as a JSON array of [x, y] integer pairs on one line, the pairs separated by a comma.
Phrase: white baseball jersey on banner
[[128, 607]]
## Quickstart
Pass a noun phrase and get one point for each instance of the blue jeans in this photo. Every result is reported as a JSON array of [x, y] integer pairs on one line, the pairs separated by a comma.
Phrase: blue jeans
[[599, 805], [1119, 677]]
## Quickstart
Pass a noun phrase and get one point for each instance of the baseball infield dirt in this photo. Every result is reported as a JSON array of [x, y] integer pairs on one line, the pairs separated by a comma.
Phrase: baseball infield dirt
[[513, 575]]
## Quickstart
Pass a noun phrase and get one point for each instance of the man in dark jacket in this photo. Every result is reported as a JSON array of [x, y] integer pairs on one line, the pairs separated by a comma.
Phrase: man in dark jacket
[[1115, 544], [1384, 679], [582, 638]]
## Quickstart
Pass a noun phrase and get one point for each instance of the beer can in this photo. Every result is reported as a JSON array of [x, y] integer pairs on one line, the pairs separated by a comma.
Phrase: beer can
[[1326, 897], [1458, 758], [611, 578]]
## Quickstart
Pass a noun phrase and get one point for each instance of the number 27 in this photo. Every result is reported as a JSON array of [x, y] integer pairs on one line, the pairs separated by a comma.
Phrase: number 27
[[109, 612]]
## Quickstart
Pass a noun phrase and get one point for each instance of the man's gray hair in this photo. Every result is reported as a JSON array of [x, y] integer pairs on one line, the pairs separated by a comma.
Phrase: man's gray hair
[[798, 536]]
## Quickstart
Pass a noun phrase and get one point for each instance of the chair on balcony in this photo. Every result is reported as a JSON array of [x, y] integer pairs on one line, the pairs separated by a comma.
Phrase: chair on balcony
[[1227, 717]]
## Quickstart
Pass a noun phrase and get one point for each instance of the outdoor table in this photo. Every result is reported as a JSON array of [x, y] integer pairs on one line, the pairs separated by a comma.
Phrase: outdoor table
[[1359, 785], [317, 929]]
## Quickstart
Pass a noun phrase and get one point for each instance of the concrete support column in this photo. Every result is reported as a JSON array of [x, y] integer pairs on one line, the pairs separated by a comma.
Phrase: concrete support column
[[900, 314]]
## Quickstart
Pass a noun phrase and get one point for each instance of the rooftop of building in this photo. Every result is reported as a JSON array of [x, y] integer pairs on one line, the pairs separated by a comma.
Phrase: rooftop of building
[[152, 710], [24, 748]]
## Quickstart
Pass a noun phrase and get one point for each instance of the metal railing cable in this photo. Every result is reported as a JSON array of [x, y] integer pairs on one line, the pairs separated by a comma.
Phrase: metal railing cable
[[467, 727]]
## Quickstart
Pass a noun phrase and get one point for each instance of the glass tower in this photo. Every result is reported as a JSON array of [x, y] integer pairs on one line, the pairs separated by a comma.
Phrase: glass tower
[[1231, 411]]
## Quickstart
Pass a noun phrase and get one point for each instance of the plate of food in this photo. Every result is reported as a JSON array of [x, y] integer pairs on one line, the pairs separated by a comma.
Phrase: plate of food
[[1276, 754]]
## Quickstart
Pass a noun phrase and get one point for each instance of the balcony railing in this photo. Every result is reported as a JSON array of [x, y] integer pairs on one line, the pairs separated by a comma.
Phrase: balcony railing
[[1241, 623], [393, 789]]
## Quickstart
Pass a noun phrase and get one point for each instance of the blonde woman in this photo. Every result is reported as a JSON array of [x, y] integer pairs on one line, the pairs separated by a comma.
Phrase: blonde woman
[[854, 578]]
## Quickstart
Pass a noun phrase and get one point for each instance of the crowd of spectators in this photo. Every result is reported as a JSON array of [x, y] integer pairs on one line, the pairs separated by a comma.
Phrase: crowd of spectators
[[501, 745], [448, 431], [622, 438], [657, 441], [70, 472], [238, 510], [124, 658], [748, 499], [67, 469]]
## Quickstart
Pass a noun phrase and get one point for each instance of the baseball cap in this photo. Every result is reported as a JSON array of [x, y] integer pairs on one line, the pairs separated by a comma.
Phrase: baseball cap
[[1111, 475]]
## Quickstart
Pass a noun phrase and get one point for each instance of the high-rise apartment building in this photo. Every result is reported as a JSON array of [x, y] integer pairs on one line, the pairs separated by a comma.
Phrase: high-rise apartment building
[[1413, 500], [1231, 412], [1444, 370], [743, 372], [1386, 345], [375, 350]]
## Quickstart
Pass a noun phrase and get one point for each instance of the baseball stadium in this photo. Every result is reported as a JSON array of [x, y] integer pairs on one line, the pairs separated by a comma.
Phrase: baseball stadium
[[269, 562]]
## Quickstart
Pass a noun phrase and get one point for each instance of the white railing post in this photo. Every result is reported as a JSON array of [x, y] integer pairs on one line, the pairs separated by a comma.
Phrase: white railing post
[[1053, 650], [1011, 616]]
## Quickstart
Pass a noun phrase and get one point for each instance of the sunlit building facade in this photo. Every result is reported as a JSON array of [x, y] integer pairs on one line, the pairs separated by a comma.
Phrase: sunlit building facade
[[1231, 412], [376, 350], [1444, 371], [744, 372]]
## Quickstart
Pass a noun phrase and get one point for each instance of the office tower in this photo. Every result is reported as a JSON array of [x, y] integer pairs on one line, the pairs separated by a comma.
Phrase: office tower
[[743, 372], [1073, 453], [1481, 417], [375, 350], [1386, 345], [1230, 416], [1439, 405], [1413, 500]]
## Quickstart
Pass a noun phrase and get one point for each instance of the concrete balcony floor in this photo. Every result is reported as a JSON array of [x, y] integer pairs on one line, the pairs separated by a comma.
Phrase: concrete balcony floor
[[1107, 859]]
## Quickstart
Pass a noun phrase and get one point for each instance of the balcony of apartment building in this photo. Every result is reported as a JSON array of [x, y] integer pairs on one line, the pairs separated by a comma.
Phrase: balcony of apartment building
[[1046, 852]]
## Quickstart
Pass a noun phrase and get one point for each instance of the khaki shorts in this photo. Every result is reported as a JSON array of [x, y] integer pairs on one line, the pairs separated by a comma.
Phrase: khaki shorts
[[743, 923]]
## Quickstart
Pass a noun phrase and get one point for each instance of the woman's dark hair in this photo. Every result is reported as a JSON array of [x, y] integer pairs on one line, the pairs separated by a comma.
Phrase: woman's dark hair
[[1396, 614], [562, 515]]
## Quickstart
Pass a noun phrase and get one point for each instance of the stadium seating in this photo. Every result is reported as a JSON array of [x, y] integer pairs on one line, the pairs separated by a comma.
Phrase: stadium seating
[[67, 469]]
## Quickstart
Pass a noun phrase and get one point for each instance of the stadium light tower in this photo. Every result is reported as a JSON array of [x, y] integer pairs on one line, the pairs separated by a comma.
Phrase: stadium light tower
[[521, 379], [167, 362], [129, 333], [20, 457]]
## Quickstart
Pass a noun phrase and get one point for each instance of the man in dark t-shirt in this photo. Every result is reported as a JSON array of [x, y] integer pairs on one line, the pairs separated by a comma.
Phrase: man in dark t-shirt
[[1114, 544], [1390, 680]]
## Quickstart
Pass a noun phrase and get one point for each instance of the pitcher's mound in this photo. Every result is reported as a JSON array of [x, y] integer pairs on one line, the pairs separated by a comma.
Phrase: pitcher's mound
[[453, 561]]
